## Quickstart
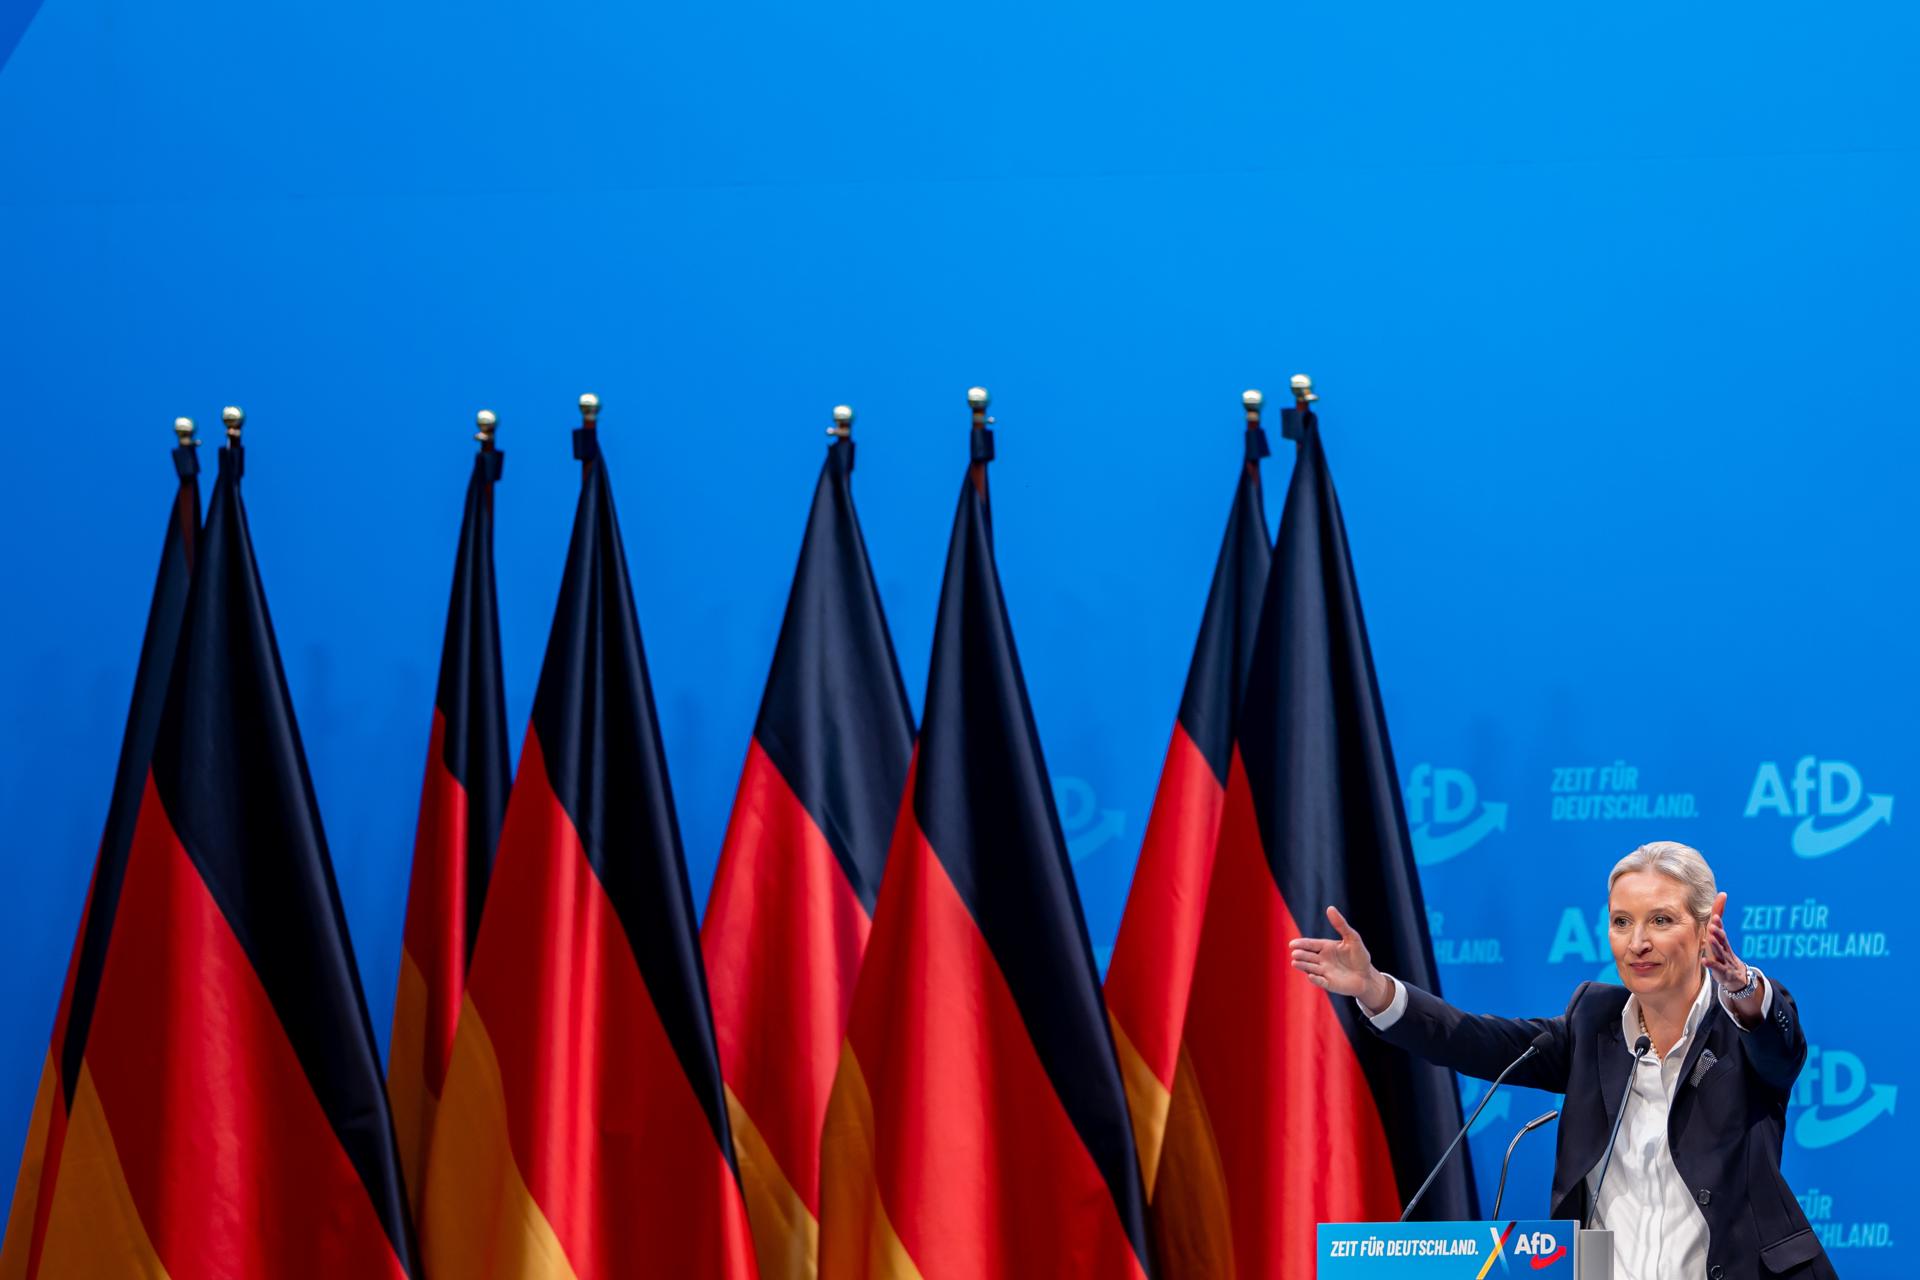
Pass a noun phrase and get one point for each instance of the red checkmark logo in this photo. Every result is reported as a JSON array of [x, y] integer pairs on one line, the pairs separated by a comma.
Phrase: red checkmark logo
[[1550, 1259]]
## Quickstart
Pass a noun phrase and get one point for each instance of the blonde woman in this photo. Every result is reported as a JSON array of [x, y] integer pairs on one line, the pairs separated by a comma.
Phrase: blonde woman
[[1694, 1188]]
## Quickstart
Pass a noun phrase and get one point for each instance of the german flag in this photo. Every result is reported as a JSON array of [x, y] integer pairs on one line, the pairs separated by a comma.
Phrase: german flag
[[978, 1127], [66, 1057], [583, 1128], [794, 894], [1159, 934], [226, 1116], [463, 800], [1288, 1111]]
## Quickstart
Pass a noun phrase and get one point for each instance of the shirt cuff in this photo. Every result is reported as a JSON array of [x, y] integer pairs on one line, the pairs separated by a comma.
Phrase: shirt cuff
[[1395, 1007], [1766, 1001]]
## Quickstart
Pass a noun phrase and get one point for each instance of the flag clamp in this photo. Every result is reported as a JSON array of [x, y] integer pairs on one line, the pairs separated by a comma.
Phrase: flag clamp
[[491, 459], [233, 458], [842, 433], [1295, 421], [186, 462], [586, 440], [982, 444], [1252, 400]]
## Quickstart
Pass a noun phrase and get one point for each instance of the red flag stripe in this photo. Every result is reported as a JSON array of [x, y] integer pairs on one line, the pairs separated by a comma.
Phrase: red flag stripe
[[436, 929], [1153, 956], [606, 1129], [235, 1167], [1293, 1116], [782, 939], [976, 1155]]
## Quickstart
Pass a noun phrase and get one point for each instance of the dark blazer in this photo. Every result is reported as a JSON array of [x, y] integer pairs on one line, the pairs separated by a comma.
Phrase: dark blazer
[[1725, 1129]]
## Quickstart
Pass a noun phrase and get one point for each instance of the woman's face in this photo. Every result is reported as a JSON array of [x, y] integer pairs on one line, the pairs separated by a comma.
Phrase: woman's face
[[1656, 942]]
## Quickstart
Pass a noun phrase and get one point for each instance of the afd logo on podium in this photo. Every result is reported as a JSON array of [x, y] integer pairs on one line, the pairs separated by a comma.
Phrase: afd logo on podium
[[1835, 1098], [1828, 797], [1446, 814], [1443, 1250]]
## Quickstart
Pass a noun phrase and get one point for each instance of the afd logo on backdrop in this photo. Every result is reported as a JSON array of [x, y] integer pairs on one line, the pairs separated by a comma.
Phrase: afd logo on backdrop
[[1574, 939], [1446, 814], [1087, 827], [1837, 1097], [1828, 797]]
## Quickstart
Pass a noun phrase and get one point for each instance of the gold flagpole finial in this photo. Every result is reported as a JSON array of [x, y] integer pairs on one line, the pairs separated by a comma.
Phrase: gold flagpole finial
[[842, 421], [235, 419], [1303, 392], [1252, 400], [488, 422], [589, 411], [183, 431]]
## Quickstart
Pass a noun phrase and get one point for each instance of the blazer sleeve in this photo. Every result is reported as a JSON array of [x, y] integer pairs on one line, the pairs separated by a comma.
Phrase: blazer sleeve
[[1482, 1045], [1776, 1046]]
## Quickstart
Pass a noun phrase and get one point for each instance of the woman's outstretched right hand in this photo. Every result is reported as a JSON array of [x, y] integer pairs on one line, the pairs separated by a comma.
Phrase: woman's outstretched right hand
[[1343, 965]]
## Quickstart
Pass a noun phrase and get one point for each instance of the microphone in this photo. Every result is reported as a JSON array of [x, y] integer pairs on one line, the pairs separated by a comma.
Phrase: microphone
[[1541, 1041], [1529, 1127], [1640, 1048]]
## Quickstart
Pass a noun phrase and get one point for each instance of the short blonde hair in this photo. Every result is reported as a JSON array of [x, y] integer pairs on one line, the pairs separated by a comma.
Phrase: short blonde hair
[[1678, 862]]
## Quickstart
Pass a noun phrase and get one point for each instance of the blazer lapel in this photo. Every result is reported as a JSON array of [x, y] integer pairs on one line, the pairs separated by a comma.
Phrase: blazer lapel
[[1615, 1061]]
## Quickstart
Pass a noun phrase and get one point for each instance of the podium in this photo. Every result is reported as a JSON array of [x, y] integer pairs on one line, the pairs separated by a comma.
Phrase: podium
[[1461, 1251]]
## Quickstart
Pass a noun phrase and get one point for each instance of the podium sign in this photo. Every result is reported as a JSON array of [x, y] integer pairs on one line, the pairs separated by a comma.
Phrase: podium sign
[[1446, 1250]]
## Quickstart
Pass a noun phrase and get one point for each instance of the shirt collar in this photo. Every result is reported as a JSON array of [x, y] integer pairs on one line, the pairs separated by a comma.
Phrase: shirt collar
[[1630, 1015]]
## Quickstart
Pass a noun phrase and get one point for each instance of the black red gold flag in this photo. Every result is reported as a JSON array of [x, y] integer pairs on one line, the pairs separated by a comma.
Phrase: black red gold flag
[[978, 1127], [463, 800], [227, 1116], [1288, 1111], [1153, 957], [53, 1105], [583, 1130], [794, 893]]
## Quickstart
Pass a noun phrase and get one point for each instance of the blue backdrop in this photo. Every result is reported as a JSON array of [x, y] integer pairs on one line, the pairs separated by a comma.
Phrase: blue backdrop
[[1612, 311]]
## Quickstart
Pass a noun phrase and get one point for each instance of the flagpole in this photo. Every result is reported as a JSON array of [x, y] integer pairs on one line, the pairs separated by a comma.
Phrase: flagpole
[[982, 443], [233, 458], [587, 439], [186, 502], [488, 422], [1252, 399], [1293, 422], [842, 422]]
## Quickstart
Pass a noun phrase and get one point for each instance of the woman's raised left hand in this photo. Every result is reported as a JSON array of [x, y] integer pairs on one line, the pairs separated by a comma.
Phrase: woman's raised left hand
[[1728, 969]]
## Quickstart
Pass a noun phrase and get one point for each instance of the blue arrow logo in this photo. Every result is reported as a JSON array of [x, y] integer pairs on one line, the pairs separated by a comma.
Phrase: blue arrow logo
[[1815, 1130], [1429, 849], [1087, 826], [1811, 842]]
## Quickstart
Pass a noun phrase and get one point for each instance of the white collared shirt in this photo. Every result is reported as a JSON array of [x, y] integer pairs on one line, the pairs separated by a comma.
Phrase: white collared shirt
[[1658, 1230]]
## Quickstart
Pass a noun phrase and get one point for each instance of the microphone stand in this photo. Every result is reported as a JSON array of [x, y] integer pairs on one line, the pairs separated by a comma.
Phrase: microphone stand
[[1532, 1051], [1501, 1192], [1640, 1048]]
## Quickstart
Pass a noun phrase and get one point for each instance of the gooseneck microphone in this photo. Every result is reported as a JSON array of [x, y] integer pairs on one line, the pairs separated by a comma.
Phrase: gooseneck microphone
[[1541, 1041], [1501, 1191], [1640, 1048]]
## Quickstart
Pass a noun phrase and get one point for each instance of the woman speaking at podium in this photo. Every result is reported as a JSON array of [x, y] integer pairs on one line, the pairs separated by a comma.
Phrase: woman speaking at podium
[[1694, 1187]]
